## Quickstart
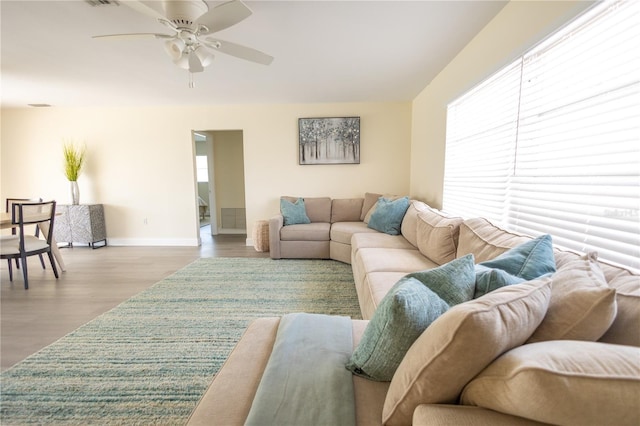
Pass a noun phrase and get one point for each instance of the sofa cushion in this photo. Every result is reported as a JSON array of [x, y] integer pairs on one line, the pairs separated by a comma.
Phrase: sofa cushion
[[409, 227], [582, 305], [438, 235], [461, 343], [529, 260], [388, 215], [454, 281], [370, 200], [485, 240], [398, 260], [318, 231], [402, 316], [490, 279], [375, 239], [342, 232], [318, 208], [625, 329], [454, 415], [563, 382], [293, 212], [346, 210]]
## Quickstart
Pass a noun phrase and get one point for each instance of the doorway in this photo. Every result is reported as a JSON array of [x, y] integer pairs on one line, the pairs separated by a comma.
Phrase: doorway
[[220, 181]]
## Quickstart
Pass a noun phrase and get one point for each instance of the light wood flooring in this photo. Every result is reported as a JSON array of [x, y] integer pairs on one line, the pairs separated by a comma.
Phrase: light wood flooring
[[95, 281]]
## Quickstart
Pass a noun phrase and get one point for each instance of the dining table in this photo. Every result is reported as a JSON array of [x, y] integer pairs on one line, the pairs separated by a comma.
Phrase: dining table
[[5, 222]]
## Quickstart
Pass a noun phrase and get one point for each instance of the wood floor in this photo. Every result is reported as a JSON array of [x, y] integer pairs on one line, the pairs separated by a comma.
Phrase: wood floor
[[95, 282]]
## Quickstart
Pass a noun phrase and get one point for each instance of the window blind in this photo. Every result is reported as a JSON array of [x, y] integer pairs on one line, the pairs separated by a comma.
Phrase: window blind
[[479, 153], [575, 166]]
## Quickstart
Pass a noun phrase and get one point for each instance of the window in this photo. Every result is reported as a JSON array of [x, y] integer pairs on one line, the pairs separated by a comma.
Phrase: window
[[202, 168], [551, 143]]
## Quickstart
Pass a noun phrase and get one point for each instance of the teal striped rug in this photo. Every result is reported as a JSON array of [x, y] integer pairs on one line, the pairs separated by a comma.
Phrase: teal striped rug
[[149, 360]]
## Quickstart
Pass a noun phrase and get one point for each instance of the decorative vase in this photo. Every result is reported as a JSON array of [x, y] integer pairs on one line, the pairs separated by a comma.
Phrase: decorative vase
[[75, 192]]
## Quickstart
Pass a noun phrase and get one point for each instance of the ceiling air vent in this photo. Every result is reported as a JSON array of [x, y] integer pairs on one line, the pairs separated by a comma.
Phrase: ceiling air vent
[[102, 2]]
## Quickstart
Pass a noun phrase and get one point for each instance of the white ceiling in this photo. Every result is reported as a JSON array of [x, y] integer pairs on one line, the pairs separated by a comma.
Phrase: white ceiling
[[325, 51]]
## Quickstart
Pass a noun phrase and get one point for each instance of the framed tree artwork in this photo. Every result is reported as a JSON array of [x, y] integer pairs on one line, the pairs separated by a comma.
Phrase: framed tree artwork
[[334, 140]]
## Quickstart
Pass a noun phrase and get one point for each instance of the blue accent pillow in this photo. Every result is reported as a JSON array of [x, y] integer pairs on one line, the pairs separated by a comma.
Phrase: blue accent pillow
[[454, 282], [525, 262], [530, 260], [388, 215], [489, 279], [294, 213], [404, 313]]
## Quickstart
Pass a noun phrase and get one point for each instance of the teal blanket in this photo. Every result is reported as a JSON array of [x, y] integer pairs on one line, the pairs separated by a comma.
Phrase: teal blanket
[[305, 381]]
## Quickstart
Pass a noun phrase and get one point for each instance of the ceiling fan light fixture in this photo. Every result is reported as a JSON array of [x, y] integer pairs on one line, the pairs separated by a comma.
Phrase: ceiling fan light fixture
[[190, 21], [174, 48], [205, 57], [182, 61]]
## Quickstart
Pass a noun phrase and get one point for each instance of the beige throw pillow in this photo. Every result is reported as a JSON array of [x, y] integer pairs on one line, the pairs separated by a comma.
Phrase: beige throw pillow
[[370, 200], [582, 305], [563, 382], [438, 236], [460, 344]]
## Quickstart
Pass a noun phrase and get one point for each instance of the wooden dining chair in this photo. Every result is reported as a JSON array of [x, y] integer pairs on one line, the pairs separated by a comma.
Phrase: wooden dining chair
[[40, 214], [7, 208]]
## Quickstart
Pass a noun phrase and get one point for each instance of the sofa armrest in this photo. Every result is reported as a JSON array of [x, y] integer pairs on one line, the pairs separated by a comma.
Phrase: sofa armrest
[[275, 225], [228, 399], [459, 415]]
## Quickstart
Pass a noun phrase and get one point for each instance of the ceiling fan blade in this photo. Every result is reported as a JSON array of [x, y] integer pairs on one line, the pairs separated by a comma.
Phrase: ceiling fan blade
[[239, 51], [145, 9], [194, 63], [224, 16], [133, 35]]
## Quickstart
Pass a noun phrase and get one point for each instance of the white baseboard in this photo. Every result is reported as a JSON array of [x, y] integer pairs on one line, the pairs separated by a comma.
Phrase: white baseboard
[[153, 242]]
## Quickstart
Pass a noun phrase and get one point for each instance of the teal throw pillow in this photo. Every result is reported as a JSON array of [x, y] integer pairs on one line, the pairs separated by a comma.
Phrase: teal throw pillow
[[530, 260], [293, 213], [403, 314], [388, 215], [454, 282], [489, 279]]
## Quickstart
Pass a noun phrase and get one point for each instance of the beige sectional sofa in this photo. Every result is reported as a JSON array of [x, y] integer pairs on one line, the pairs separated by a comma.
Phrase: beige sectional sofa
[[328, 236], [480, 363]]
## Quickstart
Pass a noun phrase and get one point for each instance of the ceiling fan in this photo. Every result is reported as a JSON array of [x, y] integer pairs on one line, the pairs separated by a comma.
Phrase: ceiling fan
[[192, 23]]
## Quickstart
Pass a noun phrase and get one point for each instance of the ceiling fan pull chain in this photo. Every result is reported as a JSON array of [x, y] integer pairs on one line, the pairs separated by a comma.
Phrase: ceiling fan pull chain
[[191, 82]]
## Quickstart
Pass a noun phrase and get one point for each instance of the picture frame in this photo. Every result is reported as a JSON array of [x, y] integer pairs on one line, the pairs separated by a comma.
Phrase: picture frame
[[329, 140]]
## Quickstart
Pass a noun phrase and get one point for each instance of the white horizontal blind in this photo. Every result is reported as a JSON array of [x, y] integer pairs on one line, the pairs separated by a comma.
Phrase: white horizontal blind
[[576, 168], [481, 129]]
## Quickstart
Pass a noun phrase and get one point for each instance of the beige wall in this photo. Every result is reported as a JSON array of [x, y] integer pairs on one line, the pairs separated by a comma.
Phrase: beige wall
[[141, 164], [520, 25]]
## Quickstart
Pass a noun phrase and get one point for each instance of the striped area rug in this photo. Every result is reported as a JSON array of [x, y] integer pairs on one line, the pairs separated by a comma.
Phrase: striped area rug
[[149, 360]]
